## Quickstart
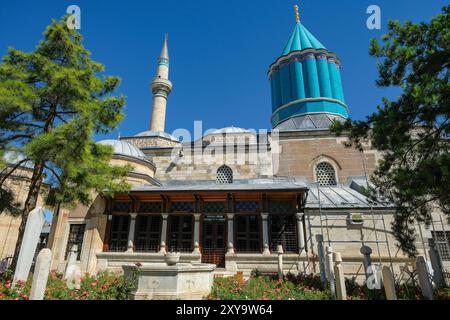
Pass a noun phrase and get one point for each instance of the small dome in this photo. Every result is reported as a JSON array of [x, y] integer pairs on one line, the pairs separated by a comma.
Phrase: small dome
[[230, 130], [160, 134], [124, 148]]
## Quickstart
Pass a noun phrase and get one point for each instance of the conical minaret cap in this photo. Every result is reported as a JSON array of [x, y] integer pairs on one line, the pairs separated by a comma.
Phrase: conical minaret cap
[[164, 51]]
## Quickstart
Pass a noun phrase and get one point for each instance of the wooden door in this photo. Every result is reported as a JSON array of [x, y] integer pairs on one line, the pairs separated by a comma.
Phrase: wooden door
[[214, 245]]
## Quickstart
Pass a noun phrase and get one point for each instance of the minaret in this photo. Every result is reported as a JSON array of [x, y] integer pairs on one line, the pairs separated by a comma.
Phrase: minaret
[[161, 88]]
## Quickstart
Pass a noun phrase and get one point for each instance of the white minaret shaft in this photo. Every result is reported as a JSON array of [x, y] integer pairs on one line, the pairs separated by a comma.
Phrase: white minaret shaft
[[161, 88]]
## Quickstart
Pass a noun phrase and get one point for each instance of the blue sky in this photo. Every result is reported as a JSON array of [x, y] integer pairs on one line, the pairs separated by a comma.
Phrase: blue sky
[[220, 50]]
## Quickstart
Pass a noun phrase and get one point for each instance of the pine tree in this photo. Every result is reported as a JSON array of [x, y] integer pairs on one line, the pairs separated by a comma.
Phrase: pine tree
[[52, 101], [413, 131]]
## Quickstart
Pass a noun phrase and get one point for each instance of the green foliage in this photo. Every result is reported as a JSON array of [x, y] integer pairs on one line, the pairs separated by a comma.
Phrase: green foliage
[[8, 203], [103, 286], [356, 291], [411, 132], [442, 293], [52, 101], [267, 288]]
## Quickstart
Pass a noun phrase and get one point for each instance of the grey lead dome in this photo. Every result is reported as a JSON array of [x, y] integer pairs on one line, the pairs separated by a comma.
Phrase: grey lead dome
[[124, 148]]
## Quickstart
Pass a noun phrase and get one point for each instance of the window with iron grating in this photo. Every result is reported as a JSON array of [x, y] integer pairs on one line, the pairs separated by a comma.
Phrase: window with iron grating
[[121, 206], [325, 174], [150, 207], [76, 235], [283, 231], [214, 207], [247, 206], [224, 175], [118, 239], [247, 235], [148, 233], [180, 233], [281, 207], [442, 241], [182, 206]]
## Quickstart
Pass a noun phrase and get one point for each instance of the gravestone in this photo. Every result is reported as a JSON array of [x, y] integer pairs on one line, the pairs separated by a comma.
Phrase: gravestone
[[40, 277], [438, 278], [367, 260], [73, 280], [33, 228], [389, 284], [71, 261], [330, 269], [321, 254], [424, 281], [341, 292], [280, 262]]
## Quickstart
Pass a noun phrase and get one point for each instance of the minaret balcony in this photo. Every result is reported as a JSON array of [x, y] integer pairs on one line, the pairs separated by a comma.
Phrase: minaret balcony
[[159, 84]]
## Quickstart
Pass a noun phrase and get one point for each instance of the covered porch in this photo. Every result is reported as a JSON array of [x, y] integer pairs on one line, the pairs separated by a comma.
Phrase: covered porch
[[235, 226]]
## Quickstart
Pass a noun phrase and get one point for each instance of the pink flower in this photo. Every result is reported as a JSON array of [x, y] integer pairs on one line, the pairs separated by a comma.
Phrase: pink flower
[[8, 285], [93, 284]]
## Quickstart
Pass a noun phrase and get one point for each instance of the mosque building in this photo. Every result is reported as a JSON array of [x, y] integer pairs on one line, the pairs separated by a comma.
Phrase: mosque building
[[234, 195]]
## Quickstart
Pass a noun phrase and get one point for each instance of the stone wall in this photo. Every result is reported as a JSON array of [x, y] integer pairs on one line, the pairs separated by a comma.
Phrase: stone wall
[[202, 163], [348, 239], [301, 151], [9, 226], [94, 219]]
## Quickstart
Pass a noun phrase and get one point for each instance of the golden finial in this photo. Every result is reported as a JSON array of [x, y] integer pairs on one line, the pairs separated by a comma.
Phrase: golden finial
[[297, 15]]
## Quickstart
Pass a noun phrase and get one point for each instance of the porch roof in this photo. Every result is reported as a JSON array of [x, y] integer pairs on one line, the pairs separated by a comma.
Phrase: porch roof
[[342, 197], [275, 184]]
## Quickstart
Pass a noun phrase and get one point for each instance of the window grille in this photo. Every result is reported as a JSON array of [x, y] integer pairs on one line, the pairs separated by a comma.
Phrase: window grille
[[325, 174], [150, 207], [214, 207], [180, 233], [441, 246], [122, 206], [247, 235], [118, 240], [182, 206], [247, 206], [148, 233], [281, 207], [76, 235], [283, 231], [224, 175]]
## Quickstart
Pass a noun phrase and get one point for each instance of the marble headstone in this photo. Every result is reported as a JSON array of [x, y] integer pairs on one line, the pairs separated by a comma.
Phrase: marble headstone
[[71, 261], [33, 228], [40, 277]]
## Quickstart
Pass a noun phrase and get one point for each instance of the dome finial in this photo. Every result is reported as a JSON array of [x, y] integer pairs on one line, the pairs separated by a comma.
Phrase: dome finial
[[297, 15]]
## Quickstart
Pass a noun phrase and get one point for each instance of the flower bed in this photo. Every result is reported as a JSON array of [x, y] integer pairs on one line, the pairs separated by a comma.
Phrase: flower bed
[[305, 287], [103, 286], [269, 288]]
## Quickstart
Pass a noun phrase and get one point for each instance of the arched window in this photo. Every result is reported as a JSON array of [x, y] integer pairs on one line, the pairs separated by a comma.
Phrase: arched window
[[325, 174], [224, 175]]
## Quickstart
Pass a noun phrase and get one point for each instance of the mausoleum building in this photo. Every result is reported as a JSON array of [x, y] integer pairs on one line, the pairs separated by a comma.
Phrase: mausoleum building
[[234, 195]]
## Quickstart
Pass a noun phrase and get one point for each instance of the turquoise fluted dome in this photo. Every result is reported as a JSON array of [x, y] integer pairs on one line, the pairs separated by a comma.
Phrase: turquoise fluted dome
[[301, 39], [306, 85]]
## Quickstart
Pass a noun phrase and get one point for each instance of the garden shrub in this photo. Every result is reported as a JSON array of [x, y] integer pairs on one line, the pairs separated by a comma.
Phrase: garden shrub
[[103, 286], [265, 287]]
